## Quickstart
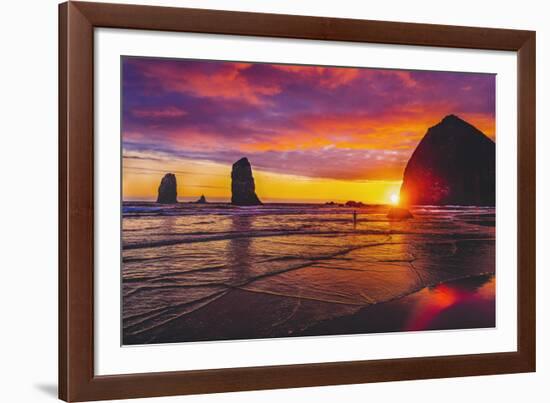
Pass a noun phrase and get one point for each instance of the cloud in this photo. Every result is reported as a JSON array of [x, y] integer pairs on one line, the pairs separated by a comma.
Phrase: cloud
[[203, 79], [307, 120], [158, 112]]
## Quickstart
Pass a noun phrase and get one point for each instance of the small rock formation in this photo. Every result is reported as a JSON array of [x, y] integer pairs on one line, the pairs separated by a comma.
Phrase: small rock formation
[[243, 189], [352, 203], [399, 213], [167, 193], [202, 200], [330, 203], [453, 164]]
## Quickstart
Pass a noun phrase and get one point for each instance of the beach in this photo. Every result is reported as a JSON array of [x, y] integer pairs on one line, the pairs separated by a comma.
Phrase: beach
[[194, 272]]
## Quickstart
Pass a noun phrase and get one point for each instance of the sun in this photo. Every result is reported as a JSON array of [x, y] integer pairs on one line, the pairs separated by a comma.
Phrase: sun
[[394, 198]]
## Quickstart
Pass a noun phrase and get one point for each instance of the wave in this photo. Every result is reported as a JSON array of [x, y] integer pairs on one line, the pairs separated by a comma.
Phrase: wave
[[179, 259], [272, 234]]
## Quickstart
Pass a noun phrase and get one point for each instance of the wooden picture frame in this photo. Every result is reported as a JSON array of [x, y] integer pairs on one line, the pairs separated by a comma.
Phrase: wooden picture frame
[[77, 381]]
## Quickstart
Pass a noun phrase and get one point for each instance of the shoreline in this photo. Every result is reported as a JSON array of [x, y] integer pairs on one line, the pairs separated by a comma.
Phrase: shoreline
[[448, 312], [445, 306]]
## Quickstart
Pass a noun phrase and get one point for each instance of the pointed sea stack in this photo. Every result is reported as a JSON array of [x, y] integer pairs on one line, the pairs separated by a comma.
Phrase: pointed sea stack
[[453, 164], [167, 193], [243, 189], [202, 200]]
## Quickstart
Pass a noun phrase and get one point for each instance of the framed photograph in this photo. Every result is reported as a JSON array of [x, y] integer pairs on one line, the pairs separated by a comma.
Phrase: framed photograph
[[255, 201]]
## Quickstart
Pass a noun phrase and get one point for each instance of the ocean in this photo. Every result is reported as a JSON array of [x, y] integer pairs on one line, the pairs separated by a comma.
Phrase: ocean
[[196, 272]]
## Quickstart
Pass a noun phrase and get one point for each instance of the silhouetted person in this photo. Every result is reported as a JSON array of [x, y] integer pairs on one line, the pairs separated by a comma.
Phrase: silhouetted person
[[354, 218]]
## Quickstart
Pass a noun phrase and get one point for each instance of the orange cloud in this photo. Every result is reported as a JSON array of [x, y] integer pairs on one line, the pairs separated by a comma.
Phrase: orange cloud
[[394, 130]]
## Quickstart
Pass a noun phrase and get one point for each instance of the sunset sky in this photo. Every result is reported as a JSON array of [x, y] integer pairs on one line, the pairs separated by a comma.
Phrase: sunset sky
[[312, 134]]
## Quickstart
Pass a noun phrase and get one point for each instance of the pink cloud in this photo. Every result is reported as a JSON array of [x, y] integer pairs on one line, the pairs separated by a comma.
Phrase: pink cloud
[[158, 112], [328, 77], [226, 81]]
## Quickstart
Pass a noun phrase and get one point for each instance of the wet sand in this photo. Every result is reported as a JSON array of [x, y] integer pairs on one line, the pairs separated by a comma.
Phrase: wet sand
[[461, 304]]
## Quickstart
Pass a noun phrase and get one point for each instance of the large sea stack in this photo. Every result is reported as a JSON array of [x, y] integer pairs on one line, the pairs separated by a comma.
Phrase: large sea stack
[[453, 164], [243, 190], [167, 193]]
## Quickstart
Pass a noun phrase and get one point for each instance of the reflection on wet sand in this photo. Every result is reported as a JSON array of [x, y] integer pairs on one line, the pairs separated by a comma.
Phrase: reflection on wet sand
[[450, 305], [461, 304]]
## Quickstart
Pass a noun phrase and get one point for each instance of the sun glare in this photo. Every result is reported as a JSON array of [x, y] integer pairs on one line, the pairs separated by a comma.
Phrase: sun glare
[[394, 198]]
